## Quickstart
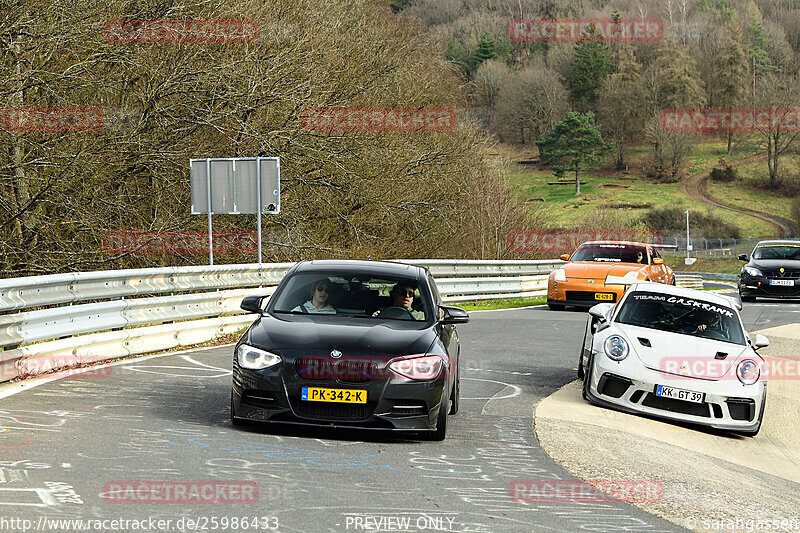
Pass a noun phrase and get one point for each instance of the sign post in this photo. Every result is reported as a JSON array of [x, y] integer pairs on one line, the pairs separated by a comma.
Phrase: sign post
[[235, 186]]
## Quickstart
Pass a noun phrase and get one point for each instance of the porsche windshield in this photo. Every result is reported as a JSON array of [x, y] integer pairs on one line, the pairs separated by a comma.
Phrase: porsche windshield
[[353, 295], [611, 253], [777, 251], [676, 314]]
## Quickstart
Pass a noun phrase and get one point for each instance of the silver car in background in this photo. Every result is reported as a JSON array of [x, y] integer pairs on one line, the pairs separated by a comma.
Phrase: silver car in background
[[675, 353]]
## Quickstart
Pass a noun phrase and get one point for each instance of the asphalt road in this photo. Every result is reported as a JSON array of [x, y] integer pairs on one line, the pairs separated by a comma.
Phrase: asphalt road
[[71, 449]]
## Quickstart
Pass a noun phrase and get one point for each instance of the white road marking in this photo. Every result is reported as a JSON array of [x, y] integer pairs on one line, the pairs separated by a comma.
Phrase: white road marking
[[516, 391]]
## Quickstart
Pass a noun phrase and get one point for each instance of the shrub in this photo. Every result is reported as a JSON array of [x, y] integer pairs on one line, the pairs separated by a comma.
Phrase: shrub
[[663, 173], [726, 174], [671, 221]]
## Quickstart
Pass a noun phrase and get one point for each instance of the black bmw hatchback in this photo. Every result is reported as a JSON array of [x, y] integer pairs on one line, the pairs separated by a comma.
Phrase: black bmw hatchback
[[357, 344], [773, 271]]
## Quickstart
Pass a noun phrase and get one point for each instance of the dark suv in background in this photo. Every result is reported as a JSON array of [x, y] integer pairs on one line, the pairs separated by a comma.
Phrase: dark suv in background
[[773, 271]]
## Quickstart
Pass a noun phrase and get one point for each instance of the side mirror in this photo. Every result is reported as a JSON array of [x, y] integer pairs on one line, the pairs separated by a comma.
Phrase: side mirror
[[252, 304], [743, 257], [452, 315], [564, 257], [601, 310], [760, 341], [658, 261]]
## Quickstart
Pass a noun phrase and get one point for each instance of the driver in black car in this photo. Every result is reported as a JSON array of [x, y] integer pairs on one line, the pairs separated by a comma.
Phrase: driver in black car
[[403, 296]]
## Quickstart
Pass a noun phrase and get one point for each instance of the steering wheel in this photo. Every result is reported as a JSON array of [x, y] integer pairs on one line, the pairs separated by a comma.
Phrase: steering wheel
[[395, 311]]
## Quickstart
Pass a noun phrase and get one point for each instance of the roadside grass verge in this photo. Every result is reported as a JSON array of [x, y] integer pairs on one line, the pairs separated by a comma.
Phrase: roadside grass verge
[[720, 265], [500, 303]]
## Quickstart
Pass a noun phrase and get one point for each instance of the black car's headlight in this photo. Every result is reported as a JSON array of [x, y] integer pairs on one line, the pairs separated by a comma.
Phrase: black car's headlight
[[418, 367], [254, 358], [752, 271], [616, 348]]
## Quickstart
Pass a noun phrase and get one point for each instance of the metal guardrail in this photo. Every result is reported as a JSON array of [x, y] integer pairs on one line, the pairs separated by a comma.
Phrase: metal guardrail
[[139, 312]]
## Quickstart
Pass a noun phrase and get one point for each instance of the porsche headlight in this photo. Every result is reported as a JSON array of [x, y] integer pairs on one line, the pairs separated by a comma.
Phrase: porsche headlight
[[255, 359], [748, 372], [616, 348], [560, 274], [753, 271]]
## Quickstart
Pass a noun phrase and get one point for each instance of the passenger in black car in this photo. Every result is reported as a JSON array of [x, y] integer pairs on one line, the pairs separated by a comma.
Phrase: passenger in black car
[[319, 299]]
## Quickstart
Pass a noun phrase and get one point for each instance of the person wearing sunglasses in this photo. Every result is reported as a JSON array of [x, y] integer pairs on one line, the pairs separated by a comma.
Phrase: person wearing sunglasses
[[319, 299], [403, 296]]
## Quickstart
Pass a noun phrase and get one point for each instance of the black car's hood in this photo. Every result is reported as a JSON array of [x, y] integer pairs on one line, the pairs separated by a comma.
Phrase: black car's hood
[[775, 264], [302, 335]]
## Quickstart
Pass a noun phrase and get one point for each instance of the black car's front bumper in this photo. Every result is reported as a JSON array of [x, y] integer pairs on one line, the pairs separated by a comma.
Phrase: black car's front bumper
[[393, 403], [752, 286]]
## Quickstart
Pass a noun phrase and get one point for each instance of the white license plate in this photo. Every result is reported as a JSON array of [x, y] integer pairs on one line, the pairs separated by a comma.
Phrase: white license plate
[[786, 282], [680, 394]]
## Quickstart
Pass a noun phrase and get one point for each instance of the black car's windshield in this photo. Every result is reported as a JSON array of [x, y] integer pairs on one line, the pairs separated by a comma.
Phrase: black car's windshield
[[777, 251], [677, 314], [610, 252], [353, 295]]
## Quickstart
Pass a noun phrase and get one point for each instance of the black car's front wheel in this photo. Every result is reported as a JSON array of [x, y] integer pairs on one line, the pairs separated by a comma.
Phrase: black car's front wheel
[[455, 394], [235, 421], [441, 421]]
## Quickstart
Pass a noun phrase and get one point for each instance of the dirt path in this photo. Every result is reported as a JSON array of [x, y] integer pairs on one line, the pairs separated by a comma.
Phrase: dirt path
[[695, 187]]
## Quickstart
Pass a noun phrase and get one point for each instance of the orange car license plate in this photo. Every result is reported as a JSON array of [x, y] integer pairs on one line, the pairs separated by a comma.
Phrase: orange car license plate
[[604, 296], [315, 394]]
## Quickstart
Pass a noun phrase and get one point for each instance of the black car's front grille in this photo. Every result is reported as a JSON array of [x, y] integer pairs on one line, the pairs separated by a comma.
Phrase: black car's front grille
[[787, 274], [333, 411], [676, 406], [587, 296], [350, 371]]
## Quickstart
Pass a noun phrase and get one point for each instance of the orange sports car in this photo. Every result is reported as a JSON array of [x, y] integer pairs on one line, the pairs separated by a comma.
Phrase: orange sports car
[[581, 282]]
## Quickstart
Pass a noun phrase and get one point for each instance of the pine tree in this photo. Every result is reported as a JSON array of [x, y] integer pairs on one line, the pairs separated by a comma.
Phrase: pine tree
[[590, 66], [621, 102], [486, 50], [731, 72], [574, 143]]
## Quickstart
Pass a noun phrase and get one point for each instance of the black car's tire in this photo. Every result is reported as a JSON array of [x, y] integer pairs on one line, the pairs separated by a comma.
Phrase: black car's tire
[[556, 307], [587, 379], [235, 421], [456, 393], [441, 421]]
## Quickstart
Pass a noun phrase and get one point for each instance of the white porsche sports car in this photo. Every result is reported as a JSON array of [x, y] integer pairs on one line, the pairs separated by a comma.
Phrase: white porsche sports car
[[676, 353]]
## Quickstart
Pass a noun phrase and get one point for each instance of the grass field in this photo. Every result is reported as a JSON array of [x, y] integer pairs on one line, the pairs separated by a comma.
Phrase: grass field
[[630, 195], [748, 192]]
